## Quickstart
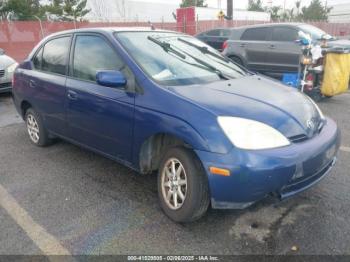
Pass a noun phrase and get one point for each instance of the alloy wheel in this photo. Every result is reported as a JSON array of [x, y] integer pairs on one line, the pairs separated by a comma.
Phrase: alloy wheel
[[33, 128], [174, 184]]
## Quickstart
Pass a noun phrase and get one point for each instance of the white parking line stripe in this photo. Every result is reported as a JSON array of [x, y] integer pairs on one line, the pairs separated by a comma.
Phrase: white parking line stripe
[[345, 149], [46, 242]]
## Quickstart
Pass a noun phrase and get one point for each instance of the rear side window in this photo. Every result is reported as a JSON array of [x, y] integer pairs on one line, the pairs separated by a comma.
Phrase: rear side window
[[55, 56], [91, 54], [225, 33], [284, 34], [215, 32], [256, 34]]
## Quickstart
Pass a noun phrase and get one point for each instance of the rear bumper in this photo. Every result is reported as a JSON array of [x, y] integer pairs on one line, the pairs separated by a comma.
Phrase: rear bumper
[[283, 171]]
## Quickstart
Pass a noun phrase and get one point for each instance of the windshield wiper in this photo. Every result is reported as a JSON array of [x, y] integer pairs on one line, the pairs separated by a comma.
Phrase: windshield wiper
[[204, 65], [166, 46], [213, 69], [204, 50]]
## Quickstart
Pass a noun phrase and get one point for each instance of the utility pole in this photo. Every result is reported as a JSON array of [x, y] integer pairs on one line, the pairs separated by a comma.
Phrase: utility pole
[[230, 9]]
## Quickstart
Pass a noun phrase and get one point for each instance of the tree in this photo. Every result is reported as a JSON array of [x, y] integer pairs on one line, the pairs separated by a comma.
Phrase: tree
[[75, 9], [315, 11], [275, 12], [22, 9], [188, 3], [255, 5], [67, 10]]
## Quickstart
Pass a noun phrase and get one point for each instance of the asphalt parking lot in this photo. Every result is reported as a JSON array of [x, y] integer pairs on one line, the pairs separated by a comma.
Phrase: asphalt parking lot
[[66, 200]]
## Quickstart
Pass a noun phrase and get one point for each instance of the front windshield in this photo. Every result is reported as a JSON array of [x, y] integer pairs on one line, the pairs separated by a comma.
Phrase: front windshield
[[316, 33], [176, 59]]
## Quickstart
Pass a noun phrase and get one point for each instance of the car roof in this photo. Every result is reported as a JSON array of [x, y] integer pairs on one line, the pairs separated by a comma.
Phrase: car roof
[[269, 25], [109, 30]]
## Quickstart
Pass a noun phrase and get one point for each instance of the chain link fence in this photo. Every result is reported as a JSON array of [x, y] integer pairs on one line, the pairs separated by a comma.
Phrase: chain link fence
[[18, 38]]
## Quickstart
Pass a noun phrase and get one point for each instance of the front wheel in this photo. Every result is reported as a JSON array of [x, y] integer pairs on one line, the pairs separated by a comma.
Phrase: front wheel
[[182, 185]]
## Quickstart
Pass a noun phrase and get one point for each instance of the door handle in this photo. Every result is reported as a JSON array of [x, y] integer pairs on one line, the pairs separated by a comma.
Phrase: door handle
[[242, 45], [272, 47], [72, 95], [32, 84]]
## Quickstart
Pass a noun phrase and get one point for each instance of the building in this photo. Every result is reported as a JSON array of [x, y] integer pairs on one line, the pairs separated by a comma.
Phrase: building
[[340, 13], [132, 10], [159, 11]]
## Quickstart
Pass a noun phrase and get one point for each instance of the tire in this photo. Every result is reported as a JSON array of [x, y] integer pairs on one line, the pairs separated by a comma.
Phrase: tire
[[196, 191], [38, 135]]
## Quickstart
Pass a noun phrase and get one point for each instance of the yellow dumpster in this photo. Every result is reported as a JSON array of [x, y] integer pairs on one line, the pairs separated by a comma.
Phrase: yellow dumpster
[[336, 73]]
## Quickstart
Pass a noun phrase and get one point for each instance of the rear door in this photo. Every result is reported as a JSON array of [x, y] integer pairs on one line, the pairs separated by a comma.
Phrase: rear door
[[47, 82], [253, 47], [284, 52], [99, 117]]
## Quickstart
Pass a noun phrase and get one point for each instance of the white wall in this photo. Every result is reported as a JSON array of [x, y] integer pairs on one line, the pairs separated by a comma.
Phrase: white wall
[[211, 14], [340, 13], [132, 10]]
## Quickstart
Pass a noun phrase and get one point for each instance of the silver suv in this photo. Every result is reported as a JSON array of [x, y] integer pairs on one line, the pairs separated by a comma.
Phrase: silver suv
[[7, 68], [272, 48]]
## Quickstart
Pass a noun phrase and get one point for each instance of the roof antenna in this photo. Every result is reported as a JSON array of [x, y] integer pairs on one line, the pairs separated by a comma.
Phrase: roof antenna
[[151, 25]]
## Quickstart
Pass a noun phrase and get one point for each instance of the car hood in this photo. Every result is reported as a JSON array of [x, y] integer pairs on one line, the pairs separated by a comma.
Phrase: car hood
[[6, 61], [339, 43], [257, 98]]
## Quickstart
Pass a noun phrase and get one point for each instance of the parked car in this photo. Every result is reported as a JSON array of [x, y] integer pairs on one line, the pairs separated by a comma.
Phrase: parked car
[[268, 48], [215, 37], [164, 101], [7, 67]]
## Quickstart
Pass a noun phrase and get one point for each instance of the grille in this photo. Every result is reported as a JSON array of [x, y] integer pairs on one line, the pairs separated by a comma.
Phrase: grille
[[2, 73], [298, 138]]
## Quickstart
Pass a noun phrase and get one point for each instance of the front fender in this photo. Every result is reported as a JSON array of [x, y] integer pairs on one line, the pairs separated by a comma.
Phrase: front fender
[[149, 123]]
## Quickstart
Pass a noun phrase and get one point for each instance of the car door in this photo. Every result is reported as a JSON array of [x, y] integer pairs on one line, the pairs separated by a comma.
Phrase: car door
[[253, 46], [99, 117], [47, 82], [284, 52]]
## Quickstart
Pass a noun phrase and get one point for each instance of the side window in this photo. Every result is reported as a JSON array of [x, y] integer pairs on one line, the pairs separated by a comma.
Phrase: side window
[[55, 55], [38, 59], [255, 34], [215, 32], [225, 32], [91, 54], [284, 34]]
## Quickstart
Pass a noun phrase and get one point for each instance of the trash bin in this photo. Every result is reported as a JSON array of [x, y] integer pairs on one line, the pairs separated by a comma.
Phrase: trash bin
[[336, 72]]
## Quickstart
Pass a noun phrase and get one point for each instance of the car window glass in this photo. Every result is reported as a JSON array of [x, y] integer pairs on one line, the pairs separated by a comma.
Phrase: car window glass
[[225, 33], [214, 32], [55, 55], [284, 34], [91, 54], [255, 34], [38, 59]]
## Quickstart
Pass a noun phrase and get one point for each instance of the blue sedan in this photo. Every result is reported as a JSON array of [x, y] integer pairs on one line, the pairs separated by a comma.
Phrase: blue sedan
[[160, 101]]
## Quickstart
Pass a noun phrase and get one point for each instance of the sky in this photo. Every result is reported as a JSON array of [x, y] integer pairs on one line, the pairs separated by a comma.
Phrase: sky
[[242, 4]]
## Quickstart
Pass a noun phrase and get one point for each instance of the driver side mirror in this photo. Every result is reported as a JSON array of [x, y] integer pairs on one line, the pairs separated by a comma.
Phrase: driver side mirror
[[111, 78]]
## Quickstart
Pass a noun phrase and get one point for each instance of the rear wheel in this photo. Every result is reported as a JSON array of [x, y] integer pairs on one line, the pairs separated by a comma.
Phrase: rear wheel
[[182, 186], [35, 128]]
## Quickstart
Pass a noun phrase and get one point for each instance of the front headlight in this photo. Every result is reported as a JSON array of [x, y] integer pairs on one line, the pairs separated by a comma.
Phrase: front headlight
[[11, 68], [317, 108], [250, 134]]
